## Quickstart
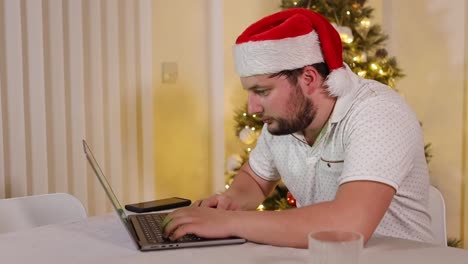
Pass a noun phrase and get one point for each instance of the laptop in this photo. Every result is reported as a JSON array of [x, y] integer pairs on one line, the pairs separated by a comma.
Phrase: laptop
[[146, 229]]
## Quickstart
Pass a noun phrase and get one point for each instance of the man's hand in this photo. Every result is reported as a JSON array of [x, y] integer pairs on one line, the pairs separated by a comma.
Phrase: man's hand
[[201, 221], [218, 201]]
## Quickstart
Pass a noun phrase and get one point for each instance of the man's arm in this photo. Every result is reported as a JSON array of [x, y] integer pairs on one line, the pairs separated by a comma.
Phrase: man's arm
[[359, 206], [246, 192]]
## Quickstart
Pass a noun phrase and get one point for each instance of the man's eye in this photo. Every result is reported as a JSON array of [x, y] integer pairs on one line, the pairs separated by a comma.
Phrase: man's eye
[[262, 92]]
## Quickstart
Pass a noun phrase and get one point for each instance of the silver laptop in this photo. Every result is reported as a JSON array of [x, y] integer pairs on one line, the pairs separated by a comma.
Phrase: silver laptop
[[146, 229]]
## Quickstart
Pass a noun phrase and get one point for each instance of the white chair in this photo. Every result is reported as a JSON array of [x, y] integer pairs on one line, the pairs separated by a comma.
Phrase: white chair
[[38, 210], [436, 208]]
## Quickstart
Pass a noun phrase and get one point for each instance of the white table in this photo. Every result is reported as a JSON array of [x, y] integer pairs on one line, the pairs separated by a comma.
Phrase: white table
[[103, 239]]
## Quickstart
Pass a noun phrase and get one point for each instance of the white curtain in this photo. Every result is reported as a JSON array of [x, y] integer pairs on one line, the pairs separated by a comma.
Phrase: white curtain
[[73, 70]]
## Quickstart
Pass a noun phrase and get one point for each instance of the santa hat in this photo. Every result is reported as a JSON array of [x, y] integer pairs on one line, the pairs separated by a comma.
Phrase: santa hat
[[292, 39]]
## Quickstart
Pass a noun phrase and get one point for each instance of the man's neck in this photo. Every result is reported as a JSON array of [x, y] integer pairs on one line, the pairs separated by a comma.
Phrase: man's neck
[[324, 111]]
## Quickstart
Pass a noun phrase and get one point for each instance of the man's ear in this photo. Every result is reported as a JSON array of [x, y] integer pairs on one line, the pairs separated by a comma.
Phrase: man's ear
[[311, 80]]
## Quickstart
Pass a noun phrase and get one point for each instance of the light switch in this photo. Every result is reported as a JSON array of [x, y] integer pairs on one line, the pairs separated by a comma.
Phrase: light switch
[[169, 72]]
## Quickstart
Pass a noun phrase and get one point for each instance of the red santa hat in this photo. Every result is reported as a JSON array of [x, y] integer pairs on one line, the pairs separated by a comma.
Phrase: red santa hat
[[292, 39]]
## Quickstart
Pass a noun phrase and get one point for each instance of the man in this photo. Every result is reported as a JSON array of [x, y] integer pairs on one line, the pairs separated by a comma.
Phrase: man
[[350, 150]]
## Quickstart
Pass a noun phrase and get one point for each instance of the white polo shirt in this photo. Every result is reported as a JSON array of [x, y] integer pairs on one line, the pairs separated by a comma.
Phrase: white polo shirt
[[371, 135]]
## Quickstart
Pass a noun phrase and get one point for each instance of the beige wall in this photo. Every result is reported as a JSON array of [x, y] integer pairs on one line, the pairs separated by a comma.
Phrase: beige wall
[[181, 113]]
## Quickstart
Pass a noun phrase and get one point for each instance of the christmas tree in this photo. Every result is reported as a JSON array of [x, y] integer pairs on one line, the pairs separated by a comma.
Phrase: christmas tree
[[363, 50]]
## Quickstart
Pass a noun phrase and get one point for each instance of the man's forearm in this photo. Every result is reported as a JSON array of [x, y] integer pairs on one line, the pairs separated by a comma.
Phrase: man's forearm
[[290, 227], [358, 207], [279, 228]]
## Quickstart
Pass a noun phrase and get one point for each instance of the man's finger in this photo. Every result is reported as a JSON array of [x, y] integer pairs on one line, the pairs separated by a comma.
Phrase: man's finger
[[176, 223], [225, 203], [180, 231], [165, 222], [213, 203]]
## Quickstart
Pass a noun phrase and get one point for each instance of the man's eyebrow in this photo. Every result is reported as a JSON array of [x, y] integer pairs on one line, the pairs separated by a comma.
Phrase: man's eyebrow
[[254, 87], [257, 87]]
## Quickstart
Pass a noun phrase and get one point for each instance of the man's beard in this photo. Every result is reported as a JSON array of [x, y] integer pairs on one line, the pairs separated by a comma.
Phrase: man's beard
[[303, 113]]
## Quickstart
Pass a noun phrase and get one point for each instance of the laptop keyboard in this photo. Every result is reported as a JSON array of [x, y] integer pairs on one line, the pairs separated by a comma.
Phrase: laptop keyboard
[[151, 225]]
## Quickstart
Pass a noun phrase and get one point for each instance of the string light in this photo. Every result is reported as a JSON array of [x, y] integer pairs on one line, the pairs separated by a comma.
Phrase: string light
[[374, 67], [261, 207], [252, 128], [226, 186], [346, 34], [348, 13], [362, 73], [346, 38], [363, 27], [365, 23], [244, 114], [254, 115], [381, 72], [360, 58], [249, 149]]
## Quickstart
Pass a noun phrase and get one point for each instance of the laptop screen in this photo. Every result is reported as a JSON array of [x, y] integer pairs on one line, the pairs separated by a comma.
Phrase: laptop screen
[[105, 184]]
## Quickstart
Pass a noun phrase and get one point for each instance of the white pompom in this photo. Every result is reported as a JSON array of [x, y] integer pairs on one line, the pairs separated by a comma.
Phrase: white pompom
[[339, 82]]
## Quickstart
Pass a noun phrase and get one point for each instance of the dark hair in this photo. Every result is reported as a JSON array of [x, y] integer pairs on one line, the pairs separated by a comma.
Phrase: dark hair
[[292, 75]]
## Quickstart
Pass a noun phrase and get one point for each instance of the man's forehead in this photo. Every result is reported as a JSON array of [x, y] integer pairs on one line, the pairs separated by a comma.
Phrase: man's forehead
[[257, 81]]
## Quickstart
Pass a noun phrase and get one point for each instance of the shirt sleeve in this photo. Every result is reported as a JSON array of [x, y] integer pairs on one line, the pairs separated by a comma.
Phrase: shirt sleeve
[[261, 158], [381, 143]]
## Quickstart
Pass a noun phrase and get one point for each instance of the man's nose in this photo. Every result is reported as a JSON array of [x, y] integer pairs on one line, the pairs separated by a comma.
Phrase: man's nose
[[253, 104]]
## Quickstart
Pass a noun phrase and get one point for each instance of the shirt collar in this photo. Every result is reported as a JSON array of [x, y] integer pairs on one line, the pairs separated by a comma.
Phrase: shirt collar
[[343, 103]]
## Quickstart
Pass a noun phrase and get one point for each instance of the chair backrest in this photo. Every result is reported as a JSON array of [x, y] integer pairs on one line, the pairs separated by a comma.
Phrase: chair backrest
[[436, 208], [32, 211]]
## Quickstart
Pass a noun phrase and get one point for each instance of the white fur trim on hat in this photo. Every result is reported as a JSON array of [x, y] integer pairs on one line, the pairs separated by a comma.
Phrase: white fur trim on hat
[[272, 56], [340, 81]]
